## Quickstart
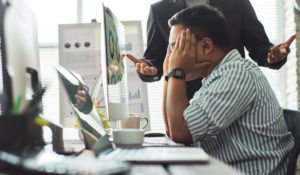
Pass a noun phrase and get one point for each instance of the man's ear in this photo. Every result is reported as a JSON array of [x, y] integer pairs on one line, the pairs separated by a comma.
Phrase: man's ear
[[207, 45]]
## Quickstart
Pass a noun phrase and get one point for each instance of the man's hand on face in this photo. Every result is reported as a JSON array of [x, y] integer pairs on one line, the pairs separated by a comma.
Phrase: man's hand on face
[[142, 67], [184, 54], [166, 63], [278, 53]]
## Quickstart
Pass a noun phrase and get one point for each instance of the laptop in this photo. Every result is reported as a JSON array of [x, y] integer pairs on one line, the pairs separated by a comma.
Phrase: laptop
[[98, 140]]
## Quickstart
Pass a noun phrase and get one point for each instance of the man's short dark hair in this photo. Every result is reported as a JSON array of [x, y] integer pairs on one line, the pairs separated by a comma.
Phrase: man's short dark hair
[[204, 21]]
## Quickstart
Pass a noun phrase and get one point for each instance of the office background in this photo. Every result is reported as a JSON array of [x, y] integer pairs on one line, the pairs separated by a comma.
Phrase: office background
[[278, 17]]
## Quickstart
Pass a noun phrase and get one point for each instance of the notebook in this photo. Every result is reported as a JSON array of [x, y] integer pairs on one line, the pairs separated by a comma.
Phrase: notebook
[[93, 127]]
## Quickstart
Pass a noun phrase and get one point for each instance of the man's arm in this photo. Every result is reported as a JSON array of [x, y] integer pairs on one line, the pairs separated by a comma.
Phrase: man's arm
[[183, 57], [165, 89], [164, 108], [176, 103], [156, 47], [255, 39]]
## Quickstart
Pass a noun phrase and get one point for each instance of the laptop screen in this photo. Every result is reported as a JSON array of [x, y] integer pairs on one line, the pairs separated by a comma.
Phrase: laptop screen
[[87, 114]]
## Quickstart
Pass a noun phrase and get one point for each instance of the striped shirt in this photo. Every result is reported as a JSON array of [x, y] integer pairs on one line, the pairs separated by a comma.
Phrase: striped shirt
[[236, 118]]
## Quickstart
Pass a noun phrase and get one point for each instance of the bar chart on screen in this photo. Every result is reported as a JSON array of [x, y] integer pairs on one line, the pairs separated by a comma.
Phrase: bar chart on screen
[[135, 95]]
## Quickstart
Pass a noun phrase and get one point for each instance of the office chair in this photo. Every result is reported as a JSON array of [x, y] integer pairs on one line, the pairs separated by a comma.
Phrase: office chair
[[292, 120]]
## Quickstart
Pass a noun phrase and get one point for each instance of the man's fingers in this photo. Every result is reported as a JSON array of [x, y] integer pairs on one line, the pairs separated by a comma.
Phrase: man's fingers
[[276, 52], [133, 59], [290, 40], [168, 55], [193, 44], [138, 67], [182, 40], [150, 70], [288, 50], [177, 43], [153, 70], [145, 69], [142, 71], [270, 60], [187, 46]]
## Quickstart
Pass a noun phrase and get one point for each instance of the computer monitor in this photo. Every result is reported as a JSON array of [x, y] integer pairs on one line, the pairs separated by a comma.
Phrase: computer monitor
[[19, 55], [113, 66]]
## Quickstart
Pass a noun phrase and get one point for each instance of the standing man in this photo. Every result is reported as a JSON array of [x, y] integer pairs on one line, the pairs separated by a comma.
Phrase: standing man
[[245, 31]]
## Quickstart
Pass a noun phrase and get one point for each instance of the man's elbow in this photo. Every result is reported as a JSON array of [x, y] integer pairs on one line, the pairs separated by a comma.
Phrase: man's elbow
[[181, 138]]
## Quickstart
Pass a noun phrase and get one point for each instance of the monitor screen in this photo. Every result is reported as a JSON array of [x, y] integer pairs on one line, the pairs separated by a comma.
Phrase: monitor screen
[[113, 65], [19, 55]]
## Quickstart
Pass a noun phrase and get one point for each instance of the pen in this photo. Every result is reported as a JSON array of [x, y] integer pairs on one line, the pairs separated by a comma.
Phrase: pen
[[17, 105]]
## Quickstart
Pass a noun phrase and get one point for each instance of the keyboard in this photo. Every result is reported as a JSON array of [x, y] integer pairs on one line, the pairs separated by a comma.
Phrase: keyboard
[[157, 155], [46, 162], [160, 142]]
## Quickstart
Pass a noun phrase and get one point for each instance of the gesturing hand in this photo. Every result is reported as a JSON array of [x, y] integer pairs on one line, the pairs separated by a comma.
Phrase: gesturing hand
[[142, 67], [278, 53]]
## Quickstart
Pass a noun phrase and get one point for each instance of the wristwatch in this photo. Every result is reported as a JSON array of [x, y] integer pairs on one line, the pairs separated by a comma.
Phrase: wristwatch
[[176, 73]]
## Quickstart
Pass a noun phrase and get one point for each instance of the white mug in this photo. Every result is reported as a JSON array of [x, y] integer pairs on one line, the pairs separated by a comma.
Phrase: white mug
[[134, 121], [128, 137]]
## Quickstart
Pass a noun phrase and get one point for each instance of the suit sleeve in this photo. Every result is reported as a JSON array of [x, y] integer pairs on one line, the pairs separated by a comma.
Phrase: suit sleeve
[[156, 47], [254, 37]]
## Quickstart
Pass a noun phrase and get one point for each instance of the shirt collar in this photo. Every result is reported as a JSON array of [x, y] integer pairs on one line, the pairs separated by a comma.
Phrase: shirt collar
[[230, 56]]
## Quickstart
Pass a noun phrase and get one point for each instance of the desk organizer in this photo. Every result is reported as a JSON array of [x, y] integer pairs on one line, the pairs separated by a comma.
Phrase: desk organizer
[[18, 132]]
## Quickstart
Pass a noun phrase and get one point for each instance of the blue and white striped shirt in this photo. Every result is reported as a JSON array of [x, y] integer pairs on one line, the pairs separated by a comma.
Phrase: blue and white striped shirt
[[237, 119]]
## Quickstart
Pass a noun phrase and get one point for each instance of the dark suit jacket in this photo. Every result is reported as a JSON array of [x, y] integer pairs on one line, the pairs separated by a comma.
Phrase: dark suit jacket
[[246, 31]]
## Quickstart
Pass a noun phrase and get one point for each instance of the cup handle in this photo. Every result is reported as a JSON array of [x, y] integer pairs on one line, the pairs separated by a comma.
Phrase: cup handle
[[146, 123]]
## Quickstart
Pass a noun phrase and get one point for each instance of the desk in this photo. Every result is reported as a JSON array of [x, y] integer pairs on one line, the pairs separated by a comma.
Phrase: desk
[[214, 167], [54, 161]]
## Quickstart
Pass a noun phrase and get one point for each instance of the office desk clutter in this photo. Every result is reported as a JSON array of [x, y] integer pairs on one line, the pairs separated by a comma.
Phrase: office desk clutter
[[48, 162], [23, 149]]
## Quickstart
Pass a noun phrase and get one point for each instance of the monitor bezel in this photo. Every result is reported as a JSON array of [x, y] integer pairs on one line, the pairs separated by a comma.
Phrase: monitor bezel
[[113, 115]]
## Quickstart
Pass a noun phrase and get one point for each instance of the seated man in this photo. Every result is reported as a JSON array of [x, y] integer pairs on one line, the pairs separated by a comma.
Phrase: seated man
[[234, 116]]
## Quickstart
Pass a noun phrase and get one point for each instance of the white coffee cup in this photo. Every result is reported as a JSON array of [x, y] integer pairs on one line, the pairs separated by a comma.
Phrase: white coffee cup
[[128, 137], [134, 121]]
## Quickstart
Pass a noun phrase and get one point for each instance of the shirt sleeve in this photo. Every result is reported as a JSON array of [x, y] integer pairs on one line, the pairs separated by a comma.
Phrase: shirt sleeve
[[221, 101]]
